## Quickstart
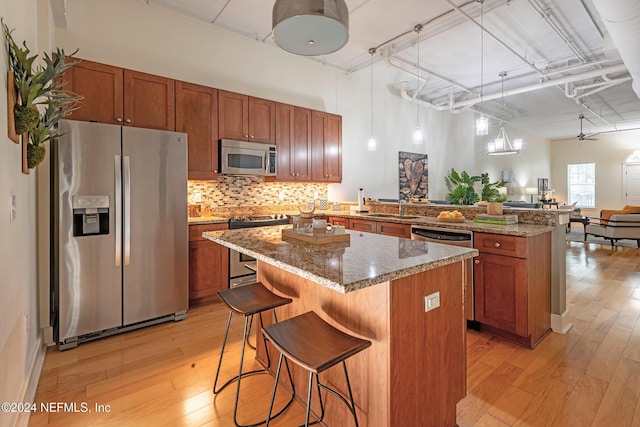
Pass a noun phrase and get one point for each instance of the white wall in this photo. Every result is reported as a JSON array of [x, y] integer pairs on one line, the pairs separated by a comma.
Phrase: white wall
[[608, 152], [20, 342]]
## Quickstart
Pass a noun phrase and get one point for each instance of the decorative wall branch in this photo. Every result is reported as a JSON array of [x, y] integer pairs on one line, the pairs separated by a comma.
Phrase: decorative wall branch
[[40, 102]]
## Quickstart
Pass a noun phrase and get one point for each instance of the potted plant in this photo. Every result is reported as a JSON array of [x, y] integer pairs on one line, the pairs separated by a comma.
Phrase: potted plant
[[461, 188], [491, 194]]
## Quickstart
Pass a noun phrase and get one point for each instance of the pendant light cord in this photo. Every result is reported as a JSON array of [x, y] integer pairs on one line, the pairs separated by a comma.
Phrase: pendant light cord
[[481, 51], [417, 29], [372, 51]]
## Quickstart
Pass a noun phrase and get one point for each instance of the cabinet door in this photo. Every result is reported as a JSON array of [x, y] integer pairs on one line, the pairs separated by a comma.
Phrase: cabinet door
[[262, 120], [302, 144], [317, 146], [208, 271], [285, 141], [333, 148], [102, 88], [149, 101], [197, 115], [362, 225], [500, 292], [393, 229], [233, 116]]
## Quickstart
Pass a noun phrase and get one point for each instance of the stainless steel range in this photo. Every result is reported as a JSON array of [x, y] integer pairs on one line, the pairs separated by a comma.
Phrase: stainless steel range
[[242, 267]]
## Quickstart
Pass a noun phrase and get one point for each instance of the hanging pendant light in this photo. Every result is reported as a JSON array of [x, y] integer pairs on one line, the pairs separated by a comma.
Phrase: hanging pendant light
[[502, 145], [417, 133], [310, 27], [482, 122], [371, 143]]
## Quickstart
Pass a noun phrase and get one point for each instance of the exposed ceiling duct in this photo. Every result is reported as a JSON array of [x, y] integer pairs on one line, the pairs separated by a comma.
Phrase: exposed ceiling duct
[[622, 19]]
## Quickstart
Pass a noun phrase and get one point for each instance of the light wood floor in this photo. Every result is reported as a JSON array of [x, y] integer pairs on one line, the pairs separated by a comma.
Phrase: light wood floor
[[162, 375]]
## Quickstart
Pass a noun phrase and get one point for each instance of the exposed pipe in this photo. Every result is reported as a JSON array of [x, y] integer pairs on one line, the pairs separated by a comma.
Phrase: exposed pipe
[[545, 83], [536, 6], [607, 86], [622, 20], [494, 37]]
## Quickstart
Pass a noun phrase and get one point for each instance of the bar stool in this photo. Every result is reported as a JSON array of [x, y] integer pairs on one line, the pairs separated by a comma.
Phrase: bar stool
[[316, 346], [246, 301]]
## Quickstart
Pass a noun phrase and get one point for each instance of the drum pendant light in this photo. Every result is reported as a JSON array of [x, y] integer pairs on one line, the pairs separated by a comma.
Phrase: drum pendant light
[[310, 27]]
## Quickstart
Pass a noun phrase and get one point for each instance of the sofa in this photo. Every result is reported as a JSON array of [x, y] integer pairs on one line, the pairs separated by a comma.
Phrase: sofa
[[616, 225]]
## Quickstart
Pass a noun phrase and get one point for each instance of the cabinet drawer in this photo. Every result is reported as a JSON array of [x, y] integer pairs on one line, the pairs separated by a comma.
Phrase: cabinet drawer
[[394, 229], [500, 244], [362, 225], [336, 220], [195, 231]]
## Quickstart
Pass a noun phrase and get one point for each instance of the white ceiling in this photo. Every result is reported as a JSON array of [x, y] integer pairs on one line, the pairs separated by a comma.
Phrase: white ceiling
[[547, 48]]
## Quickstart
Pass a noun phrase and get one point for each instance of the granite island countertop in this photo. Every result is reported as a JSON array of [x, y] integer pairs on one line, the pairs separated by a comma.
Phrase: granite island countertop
[[366, 260]]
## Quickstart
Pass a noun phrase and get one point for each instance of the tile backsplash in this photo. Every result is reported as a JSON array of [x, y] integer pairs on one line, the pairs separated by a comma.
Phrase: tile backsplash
[[251, 194]]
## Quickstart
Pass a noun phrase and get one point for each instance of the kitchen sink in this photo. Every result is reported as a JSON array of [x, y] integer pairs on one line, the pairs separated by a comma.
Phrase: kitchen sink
[[396, 216]]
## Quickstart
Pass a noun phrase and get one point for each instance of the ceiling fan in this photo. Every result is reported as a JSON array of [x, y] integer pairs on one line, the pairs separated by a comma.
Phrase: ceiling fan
[[581, 136]]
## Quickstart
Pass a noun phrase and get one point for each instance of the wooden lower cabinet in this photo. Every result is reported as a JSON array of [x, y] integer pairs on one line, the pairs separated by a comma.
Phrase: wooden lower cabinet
[[208, 265], [337, 220], [362, 225], [512, 286], [393, 229], [379, 227]]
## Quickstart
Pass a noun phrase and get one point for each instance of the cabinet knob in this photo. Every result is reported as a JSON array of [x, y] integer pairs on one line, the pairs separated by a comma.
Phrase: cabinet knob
[[497, 244], [251, 136], [118, 119], [477, 261], [246, 135], [128, 120]]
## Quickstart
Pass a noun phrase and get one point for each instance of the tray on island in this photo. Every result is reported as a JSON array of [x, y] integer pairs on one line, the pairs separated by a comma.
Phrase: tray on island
[[316, 239]]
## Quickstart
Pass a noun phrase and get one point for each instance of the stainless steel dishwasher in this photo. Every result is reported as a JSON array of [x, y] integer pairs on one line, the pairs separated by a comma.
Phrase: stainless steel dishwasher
[[455, 237]]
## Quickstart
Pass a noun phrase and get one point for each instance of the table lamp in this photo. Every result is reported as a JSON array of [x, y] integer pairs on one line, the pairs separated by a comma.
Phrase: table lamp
[[532, 191]]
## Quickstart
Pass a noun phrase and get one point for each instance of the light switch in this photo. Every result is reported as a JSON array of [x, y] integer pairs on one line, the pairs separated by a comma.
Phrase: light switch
[[13, 212], [432, 301]]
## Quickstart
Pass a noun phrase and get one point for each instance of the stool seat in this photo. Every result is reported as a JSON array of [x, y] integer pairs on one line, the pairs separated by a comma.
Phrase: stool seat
[[251, 299], [315, 345], [312, 343], [247, 301]]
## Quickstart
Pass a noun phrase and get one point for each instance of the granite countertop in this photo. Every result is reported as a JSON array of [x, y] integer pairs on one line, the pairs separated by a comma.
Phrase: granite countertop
[[207, 220], [368, 259]]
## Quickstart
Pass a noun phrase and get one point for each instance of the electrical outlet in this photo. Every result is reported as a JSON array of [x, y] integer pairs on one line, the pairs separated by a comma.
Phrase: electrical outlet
[[432, 301], [197, 197]]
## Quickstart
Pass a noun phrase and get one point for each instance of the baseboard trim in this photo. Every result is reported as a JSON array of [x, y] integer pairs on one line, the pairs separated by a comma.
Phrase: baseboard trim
[[559, 323], [32, 386]]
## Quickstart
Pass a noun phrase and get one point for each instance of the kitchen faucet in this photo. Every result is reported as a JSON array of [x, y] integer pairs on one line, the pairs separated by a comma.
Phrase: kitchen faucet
[[401, 206]]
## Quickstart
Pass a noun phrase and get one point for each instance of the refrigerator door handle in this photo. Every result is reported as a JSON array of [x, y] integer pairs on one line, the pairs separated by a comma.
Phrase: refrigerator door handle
[[118, 209], [127, 210]]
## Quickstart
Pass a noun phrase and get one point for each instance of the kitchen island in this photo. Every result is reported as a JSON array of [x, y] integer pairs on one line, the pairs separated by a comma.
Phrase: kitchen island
[[375, 287]]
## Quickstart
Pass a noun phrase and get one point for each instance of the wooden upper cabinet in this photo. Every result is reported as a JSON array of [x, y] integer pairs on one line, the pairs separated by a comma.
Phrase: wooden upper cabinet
[[301, 152], [117, 96], [326, 147], [101, 86], [149, 101], [333, 147], [246, 118], [284, 141], [197, 115], [262, 120]]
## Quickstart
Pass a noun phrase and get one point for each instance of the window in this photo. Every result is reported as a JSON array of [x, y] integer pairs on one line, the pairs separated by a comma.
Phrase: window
[[581, 181]]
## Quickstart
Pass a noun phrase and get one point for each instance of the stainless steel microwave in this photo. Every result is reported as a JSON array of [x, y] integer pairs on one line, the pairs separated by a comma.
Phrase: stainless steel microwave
[[246, 158]]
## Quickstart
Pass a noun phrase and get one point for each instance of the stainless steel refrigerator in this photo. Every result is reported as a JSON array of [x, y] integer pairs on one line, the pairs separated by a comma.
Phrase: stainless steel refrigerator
[[120, 232]]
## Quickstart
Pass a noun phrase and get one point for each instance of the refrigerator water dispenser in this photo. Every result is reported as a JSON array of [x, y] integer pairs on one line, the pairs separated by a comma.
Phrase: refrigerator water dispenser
[[90, 215]]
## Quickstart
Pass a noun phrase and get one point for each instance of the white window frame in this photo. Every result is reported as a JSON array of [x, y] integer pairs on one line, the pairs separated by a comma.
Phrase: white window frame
[[586, 180]]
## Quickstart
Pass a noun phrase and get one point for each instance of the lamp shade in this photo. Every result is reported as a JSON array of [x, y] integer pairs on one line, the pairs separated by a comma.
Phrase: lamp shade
[[310, 27]]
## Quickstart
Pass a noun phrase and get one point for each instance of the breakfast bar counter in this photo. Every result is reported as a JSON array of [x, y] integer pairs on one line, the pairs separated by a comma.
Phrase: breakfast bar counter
[[374, 287]]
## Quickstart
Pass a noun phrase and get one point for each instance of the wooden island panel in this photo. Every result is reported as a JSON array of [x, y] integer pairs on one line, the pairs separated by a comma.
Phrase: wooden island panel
[[414, 373]]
